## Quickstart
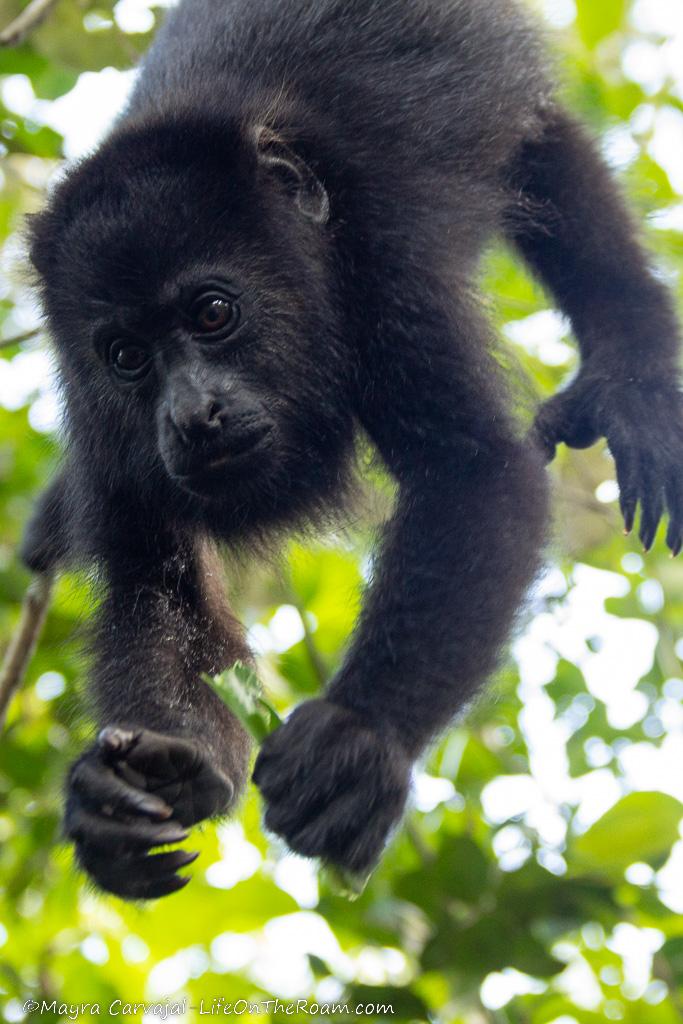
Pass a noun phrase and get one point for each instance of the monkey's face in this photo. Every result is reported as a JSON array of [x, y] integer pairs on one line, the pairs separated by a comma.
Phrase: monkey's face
[[199, 343]]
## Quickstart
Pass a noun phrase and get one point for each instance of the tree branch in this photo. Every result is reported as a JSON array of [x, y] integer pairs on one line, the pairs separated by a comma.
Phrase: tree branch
[[23, 643], [18, 339], [30, 18]]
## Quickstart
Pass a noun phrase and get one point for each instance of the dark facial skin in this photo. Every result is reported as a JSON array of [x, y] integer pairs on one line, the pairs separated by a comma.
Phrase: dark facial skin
[[277, 245], [209, 418]]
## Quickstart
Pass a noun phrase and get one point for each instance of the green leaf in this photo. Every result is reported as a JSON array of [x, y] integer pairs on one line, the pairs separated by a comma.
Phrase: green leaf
[[641, 827], [598, 20], [348, 884], [239, 688]]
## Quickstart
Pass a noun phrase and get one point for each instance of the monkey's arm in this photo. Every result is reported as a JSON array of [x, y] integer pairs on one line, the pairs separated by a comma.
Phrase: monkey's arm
[[169, 753], [45, 543], [576, 233], [456, 559]]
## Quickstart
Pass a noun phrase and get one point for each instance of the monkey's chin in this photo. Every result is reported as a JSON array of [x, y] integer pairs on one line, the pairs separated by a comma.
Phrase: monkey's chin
[[211, 485], [221, 477]]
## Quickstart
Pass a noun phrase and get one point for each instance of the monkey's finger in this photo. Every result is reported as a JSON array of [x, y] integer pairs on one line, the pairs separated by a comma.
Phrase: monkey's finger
[[340, 832], [115, 742], [674, 500], [159, 755], [277, 773], [101, 789], [627, 480], [104, 832], [194, 789], [141, 878], [652, 503]]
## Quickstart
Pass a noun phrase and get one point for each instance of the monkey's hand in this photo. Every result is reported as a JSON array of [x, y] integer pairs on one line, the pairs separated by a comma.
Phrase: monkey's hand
[[643, 424], [135, 790], [334, 786]]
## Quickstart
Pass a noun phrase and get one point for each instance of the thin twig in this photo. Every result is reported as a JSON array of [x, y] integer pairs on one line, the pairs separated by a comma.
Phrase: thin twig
[[23, 643], [315, 658], [18, 339], [25, 22], [425, 852]]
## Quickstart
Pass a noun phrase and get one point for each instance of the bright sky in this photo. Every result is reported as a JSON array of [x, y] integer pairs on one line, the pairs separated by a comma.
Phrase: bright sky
[[612, 672]]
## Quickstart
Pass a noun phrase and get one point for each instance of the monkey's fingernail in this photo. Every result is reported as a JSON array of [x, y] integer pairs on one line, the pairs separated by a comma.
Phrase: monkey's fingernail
[[172, 834], [155, 807], [187, 859], [113, 739], [179, 882]]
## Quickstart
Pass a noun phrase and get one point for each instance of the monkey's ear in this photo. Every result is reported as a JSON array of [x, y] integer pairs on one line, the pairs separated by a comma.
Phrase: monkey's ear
[[308, 191]]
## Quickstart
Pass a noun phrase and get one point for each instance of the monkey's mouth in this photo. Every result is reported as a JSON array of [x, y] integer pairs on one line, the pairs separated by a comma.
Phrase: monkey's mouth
[[206, 477]]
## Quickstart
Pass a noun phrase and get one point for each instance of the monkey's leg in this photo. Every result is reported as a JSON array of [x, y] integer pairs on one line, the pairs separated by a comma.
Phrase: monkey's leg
[[454, 565], [169, 753], [577, 235]]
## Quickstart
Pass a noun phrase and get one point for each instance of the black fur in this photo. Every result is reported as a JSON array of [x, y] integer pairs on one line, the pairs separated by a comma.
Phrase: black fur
[[333, 169]]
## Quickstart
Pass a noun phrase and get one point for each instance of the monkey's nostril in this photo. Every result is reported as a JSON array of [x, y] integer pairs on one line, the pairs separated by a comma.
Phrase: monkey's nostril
[[214, 415]]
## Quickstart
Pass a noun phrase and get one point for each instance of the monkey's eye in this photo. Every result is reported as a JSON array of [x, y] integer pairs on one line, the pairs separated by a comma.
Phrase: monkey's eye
[[129, 361], [214, 316]]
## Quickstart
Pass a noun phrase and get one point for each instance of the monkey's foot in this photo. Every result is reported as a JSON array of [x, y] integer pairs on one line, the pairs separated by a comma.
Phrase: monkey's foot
[[134, 791], [334, 787]]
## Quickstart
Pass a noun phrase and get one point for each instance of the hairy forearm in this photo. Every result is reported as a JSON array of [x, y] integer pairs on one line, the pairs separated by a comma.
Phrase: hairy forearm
[[579, 236], [157, 631], [457, 558]]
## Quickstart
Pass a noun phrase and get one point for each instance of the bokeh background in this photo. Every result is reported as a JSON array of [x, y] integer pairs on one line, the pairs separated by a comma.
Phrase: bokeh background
[[539, 878]]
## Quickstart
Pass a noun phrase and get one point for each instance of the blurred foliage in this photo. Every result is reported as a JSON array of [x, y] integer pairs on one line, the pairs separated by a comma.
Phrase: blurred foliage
[[532, 883]]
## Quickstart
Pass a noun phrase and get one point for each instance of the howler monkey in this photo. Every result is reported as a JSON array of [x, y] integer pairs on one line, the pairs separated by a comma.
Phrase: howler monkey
[[276, 246]]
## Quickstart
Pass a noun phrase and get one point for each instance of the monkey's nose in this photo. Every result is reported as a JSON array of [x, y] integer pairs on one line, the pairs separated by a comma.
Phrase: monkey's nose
[[194, 419]]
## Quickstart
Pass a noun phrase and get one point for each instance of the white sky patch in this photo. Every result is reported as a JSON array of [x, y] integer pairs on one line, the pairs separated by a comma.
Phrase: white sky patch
[[577, 980], [559, 13], [619, 147], [284, 630], [542, 335], [641, 61], [24, 377], [499, 989], [625, 654], [653, 62], [670, 879], [607, 492], [666, 146], [240, 859], [280, 962], [429, 791], [668, 220], [648, 767], [636, 947], [133, 16], [82, 115], [299, 877], [663, 17], [232, 951]]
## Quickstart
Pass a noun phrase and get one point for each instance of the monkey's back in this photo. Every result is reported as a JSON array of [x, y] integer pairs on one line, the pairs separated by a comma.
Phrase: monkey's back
[[438, 81]]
